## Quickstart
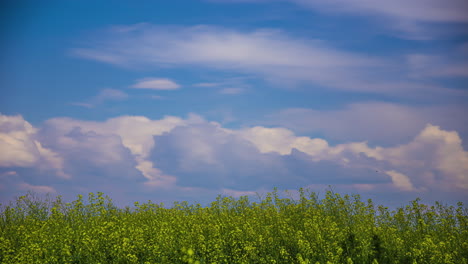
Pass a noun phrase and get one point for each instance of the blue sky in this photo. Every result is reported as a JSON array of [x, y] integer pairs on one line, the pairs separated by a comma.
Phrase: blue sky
[[185, 100]]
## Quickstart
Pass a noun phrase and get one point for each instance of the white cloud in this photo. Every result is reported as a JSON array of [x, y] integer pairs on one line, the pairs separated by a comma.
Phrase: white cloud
[[409, 167], [17, 143], [282, 141], [52, 161], [270, 139], [433, 149], [105, 140], [155, 177], [20, 147], [156, 84], [436, 148], [136, 132], [400, 180]]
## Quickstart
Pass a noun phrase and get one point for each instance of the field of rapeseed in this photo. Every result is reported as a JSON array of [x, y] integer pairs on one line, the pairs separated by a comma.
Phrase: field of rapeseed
[[335, 229]]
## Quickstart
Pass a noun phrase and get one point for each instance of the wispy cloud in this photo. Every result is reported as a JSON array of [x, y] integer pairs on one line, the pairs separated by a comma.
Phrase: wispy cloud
[[228, 86], [415, 18], [438, 66], [103, 96], [207, 84], [273, 55], [417, 10], [156, 84], [157, 97], [232, 91], [267, 52]]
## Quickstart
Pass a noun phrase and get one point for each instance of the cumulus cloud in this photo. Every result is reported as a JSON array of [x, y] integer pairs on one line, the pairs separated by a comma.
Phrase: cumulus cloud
[[91, 153], [282, 141], [197, 150], [156, 84], [436, 148], [131, 154], [400, 180], [20, 147], [126, 139], [435, 158], [209, 156], [432, 151], [16, 137]]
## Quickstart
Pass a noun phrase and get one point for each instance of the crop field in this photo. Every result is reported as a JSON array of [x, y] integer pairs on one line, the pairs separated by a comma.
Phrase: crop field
[[334, 229]]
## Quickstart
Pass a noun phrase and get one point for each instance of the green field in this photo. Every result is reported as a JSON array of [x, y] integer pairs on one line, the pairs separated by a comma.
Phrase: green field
[[335, 229]]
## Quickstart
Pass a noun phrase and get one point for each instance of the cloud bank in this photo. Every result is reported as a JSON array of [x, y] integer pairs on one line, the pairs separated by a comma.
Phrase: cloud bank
[[190, 158]]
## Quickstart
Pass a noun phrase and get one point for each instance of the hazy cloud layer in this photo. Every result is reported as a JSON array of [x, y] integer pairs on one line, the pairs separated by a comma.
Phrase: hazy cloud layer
[[195, 156]]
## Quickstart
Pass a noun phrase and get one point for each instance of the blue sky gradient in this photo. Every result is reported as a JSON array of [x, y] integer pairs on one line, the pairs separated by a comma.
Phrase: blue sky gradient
[[184, 100]]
